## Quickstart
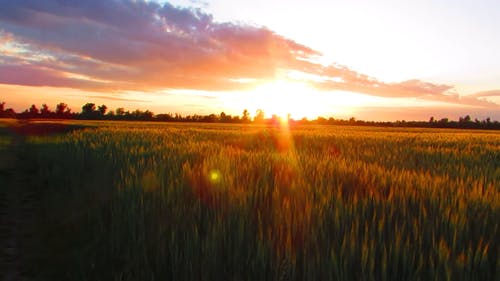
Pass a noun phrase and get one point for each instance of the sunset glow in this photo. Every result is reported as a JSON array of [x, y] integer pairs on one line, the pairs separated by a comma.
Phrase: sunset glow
[[282, 98], [375, 61]]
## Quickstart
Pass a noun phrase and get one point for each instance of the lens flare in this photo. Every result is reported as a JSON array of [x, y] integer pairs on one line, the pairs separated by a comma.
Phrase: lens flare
[[214, 176]]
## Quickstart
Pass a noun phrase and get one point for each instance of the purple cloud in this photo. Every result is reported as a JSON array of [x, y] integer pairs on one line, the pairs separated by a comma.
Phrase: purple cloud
[[143, 45]]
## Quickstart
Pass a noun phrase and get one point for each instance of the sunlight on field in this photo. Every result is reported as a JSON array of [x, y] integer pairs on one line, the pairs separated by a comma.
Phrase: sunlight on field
[[308, 202]]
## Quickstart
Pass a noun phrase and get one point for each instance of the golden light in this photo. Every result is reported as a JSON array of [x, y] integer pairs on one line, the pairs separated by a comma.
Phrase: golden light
[[295, 99], [283, 98]]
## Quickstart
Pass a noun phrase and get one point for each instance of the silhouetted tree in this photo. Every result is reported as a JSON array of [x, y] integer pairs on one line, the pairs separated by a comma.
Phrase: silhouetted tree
[[33, 111], [120, 111], [62, 109], [6, 113], [465, 119], [102, 109], [45, 111], [88, 111], [9, 113], [236, 119], [246, 116], [88, 108], [210, 118], [443, 120], [225, 118], [147, 115], [259, 116]]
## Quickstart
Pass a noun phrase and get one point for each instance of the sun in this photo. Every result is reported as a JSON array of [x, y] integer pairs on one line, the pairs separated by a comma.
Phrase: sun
[[295, 99], [285, 98]]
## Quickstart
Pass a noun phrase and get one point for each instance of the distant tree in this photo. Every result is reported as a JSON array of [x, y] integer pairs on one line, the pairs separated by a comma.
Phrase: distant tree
[[8, 113], [465, 119], [443, 120], [102, 109], [246, 116], [33, 111], [319, 120], [259, 116], [89, 111], [210, 118], [88, 108], [62, 109], [147, 115], [225, 118], [432, 120], [120, 111], [165, 117], [45, 111], [136, 114]]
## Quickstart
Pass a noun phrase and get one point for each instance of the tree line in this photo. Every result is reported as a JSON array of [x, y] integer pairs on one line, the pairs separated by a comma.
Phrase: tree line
[[91, 111]]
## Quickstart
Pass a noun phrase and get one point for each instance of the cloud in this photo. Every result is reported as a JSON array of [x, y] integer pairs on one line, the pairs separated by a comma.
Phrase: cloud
[[113, 98], [491, 93], [144, 45], [29, 75], [126, 45], [5, 38], [349, 80]]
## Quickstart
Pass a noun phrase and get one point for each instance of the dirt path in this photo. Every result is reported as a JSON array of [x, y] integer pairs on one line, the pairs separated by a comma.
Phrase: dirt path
[[20, 197], [17, 206]]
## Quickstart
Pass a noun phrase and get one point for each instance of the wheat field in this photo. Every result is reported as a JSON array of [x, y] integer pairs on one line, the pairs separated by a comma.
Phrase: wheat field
[[151, 201]]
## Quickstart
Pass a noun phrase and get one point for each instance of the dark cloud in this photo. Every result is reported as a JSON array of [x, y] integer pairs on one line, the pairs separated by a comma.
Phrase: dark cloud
[[119, 45]]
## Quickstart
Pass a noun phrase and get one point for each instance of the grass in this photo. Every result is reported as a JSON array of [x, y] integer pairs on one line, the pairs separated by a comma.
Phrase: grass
[[124, 201]]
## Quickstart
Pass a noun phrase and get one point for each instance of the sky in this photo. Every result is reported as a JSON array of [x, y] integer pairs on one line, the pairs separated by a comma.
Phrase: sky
[[373, 60]]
